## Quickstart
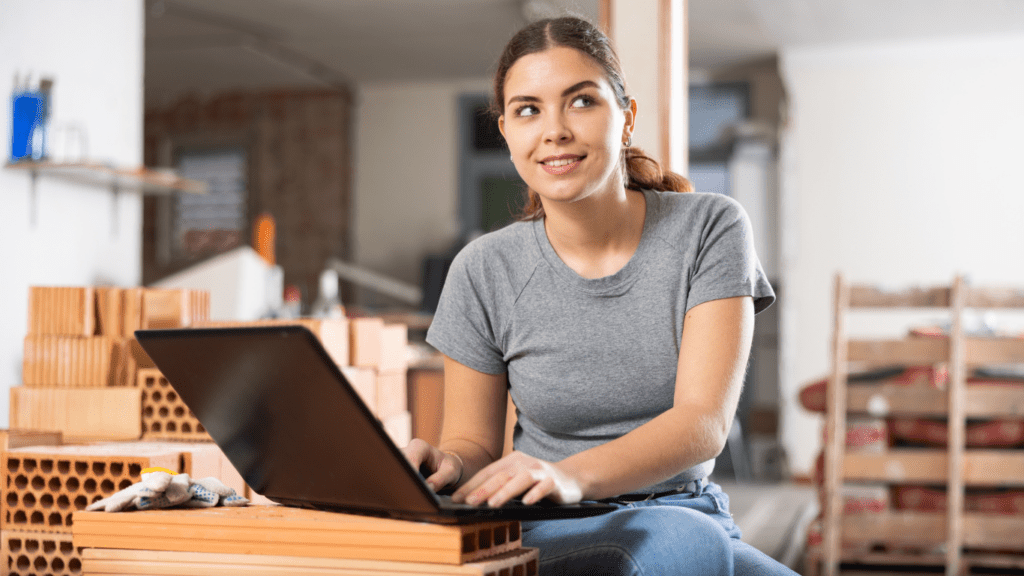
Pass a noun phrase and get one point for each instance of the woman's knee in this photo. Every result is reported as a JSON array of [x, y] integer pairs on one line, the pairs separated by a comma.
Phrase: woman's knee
[[641, 541]]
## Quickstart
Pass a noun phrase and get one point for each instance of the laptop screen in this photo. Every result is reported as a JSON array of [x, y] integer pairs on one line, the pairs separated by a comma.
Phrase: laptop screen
[[285, 416]]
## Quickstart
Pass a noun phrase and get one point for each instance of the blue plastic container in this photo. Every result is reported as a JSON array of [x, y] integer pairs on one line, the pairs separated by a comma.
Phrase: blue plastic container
[[28, 110]]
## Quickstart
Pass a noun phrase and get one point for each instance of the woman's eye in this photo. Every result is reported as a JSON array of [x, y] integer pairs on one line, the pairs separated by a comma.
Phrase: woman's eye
[[581, 102], [528, 110]]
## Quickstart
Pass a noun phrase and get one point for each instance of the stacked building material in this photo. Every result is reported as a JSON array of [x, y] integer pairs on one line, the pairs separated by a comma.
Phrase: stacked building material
[[277, 539], [44, 486], [164, 415], [81, 361], [380, 351]]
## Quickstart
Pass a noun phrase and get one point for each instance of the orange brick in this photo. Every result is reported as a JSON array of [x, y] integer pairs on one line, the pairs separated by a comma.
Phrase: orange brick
[[365, 337]]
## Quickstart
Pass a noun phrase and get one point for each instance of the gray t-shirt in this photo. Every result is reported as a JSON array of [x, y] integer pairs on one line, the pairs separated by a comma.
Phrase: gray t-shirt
[[589, 360]]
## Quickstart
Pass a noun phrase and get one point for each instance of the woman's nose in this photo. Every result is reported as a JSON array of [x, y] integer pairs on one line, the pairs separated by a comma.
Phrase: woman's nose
[[557, 130]]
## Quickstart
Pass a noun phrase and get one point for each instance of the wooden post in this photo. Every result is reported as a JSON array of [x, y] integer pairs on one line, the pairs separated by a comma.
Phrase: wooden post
[[836, 426], [957, 431]]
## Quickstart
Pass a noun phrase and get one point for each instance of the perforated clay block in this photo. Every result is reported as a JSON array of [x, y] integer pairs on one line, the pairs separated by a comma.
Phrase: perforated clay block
[[28, 553], [164, 415], [41, 491]]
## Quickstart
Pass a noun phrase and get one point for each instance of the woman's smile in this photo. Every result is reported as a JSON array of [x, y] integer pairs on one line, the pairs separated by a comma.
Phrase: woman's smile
[[562, 164]]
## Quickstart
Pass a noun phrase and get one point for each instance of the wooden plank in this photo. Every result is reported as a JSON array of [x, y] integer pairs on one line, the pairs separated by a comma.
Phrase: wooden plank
[[928, 529], [994, 297], [981, 400], [836, 427], [981, 467], [866, 296], [80, 414], [981, 351], [905, 352], [957, 425], [280, 530], [521, 562]]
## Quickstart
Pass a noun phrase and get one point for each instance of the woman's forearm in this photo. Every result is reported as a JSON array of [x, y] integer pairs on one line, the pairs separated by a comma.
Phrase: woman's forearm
[[660, 449]]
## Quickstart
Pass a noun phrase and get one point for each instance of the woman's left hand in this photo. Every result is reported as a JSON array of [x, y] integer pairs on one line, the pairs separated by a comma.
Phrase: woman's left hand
[[517, 474]]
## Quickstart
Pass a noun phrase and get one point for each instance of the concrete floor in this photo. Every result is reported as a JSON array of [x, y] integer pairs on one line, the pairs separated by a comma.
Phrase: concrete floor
[[773, 517]]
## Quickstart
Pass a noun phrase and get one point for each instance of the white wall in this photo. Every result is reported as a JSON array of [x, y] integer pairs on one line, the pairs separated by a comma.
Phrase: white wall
[[406, 172], [899, 166], [66, 233]]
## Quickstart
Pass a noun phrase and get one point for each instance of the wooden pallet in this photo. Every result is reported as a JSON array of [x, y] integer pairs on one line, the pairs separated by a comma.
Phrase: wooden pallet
[[284, 531], [99, 561], [955, 466]]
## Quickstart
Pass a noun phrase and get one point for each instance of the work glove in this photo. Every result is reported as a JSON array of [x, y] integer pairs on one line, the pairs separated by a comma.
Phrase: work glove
[[164, 489]]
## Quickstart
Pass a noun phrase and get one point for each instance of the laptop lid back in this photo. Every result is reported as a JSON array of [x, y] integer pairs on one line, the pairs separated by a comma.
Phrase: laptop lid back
[[286, 417]]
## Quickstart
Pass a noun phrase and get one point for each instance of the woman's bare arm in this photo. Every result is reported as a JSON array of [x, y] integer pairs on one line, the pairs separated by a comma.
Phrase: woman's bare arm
[[713, 356]]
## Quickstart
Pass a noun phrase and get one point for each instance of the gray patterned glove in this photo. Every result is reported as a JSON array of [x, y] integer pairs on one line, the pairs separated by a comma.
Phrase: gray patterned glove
[[159, 489]]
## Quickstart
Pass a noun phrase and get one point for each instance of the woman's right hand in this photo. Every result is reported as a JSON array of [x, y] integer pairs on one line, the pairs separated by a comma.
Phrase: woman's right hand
[[445, 467]]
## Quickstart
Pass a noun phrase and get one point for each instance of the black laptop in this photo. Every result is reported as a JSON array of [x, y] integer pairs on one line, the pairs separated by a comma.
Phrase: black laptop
[[293, 426]]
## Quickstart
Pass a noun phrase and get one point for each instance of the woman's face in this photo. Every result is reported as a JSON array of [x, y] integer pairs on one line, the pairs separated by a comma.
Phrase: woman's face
[[563, 126]]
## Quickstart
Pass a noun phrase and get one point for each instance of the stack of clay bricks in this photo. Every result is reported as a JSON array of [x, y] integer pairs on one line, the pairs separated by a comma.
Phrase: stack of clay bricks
[[272, 540], [43, 485], [373, 357], [81, 360], [379, 368]]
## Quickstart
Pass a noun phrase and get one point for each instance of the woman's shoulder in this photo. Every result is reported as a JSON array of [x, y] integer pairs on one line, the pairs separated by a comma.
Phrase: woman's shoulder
[[679, 214], [695, 204], [510, 247]]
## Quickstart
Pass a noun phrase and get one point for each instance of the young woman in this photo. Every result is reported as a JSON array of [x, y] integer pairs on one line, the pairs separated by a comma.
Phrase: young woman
[[618, 313]]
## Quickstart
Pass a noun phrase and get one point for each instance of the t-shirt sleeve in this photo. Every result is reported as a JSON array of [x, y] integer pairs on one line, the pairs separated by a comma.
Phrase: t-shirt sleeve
[[464, 324], [727, 265]]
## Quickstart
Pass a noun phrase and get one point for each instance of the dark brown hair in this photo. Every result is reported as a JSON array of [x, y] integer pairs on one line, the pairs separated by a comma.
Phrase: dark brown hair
[[642, 171]]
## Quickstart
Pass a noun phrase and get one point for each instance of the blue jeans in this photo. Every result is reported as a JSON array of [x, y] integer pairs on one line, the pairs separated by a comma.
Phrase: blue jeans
[[681, 534]]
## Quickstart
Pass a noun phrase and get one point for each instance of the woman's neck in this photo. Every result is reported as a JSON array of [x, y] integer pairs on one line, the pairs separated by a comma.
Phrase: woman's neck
[[596, 236]]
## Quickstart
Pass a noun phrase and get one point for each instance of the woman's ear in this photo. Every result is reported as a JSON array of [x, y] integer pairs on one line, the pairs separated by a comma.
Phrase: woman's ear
[[501, 125], [630, 113]]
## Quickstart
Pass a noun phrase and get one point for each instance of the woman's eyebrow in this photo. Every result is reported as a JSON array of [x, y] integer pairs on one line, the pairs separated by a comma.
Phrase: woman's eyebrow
[[574, 88]]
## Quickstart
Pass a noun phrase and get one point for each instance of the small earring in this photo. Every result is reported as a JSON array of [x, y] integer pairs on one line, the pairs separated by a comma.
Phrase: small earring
[[629, 141], [511, 157]]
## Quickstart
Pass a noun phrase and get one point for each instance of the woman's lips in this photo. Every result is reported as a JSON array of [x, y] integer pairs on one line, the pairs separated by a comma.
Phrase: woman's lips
[[559, 165]]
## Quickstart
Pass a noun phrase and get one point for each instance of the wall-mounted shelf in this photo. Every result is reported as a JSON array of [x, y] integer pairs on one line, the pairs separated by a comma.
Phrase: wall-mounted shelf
[[139, 180], [143, 180]]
